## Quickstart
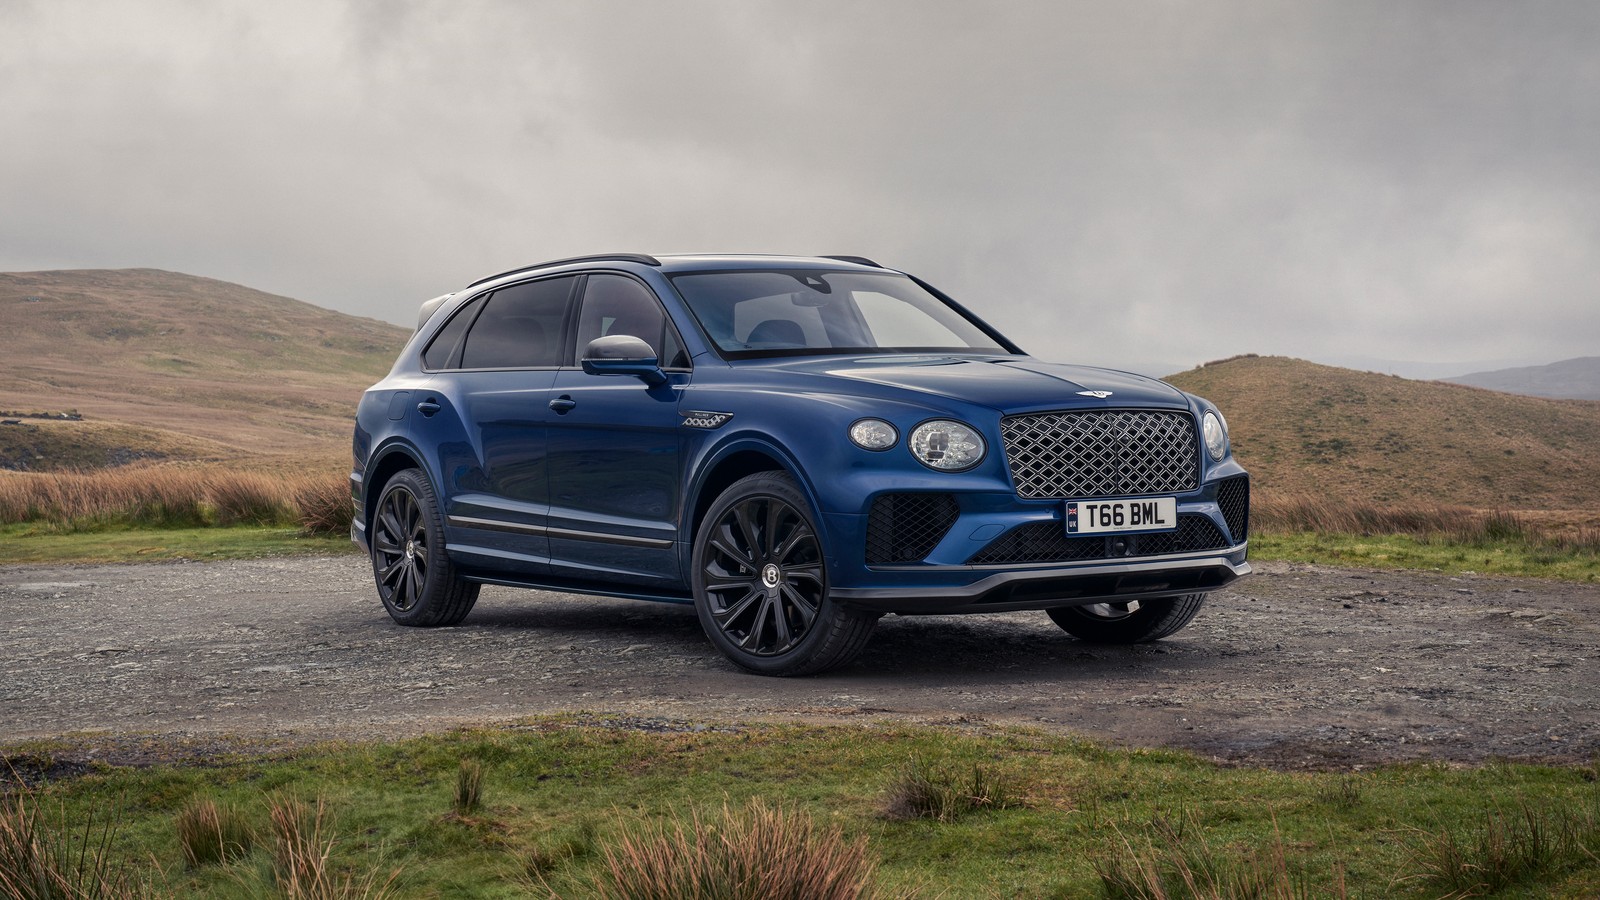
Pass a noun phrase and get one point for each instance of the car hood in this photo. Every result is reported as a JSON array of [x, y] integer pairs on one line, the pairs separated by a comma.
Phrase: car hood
[[1009, 383]]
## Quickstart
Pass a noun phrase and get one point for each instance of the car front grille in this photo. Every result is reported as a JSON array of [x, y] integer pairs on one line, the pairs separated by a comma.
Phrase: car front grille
[[1233, 495], [1103, 453], [1047, 542], [906, 527]]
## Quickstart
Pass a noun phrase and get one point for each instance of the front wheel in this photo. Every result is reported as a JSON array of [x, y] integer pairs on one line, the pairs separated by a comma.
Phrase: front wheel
[[1129, 621], [761, 583], [416, 579]]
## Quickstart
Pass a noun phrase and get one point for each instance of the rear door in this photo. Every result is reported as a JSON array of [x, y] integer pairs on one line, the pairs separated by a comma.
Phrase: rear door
[[503, 372]]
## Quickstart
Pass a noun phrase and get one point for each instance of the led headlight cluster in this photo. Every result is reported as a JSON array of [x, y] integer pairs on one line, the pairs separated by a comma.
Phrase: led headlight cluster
[[873, 434], [1215, 431], [947, 445], [942, 444]]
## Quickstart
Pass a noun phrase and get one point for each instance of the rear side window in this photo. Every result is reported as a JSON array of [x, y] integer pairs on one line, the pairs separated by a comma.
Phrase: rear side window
[[520, 327]]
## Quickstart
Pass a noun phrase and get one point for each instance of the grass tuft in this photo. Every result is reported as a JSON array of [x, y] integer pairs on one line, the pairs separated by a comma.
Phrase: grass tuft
[[755, 852], [302, 854], [469, 787], [924, 790], [1343, 795], [1172, 860], [1503, 849], [210, 833], [39, 861], [575, 844]]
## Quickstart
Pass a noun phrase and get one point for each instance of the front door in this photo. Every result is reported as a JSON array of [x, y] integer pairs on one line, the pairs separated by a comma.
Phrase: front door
[[615, 447]]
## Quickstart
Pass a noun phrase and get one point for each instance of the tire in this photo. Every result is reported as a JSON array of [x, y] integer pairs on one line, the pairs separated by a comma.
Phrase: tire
[[417, 582], [1128, 622], [761, 583]]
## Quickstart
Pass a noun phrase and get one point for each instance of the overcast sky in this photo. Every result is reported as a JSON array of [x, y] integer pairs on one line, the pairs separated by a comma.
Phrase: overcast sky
[[1154, 183]]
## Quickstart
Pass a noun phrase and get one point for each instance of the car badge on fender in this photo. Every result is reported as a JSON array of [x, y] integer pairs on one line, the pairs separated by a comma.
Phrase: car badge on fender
[[1098, 395]]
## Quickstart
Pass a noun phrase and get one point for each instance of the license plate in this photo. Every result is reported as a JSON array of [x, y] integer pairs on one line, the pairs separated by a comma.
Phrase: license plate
[[1116, 516]]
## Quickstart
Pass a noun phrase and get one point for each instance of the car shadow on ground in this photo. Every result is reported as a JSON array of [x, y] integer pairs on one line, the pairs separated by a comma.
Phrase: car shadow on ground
[[971, 649]]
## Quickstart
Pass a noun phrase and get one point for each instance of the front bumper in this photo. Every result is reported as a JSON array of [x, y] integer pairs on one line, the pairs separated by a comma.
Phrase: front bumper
[[994, 589]]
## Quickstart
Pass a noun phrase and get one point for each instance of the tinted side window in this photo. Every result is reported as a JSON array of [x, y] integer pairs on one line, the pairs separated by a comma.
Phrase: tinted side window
[[616, 304], [442, 349], [520, 327]]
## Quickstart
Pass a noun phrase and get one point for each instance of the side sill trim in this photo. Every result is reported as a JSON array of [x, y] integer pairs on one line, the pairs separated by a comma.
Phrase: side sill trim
[[561, 533]]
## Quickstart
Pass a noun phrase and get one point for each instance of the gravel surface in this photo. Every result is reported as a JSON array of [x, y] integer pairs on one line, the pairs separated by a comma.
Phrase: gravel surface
[[1297, 666]]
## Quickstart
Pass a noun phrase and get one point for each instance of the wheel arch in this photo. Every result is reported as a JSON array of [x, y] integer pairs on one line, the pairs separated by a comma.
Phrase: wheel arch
[[388, 462], [727, 465]]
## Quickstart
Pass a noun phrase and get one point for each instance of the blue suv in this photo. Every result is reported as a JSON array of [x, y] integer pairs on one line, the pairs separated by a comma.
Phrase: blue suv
[[795, 445]]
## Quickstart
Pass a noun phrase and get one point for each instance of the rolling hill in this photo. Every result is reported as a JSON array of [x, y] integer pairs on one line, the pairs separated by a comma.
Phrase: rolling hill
[[1571, 379], [163, 365], [1303, 428]]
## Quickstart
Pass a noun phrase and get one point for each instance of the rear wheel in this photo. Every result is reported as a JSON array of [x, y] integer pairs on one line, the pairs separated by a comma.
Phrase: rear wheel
[[1129, 621], [761, 583], [416, 580]]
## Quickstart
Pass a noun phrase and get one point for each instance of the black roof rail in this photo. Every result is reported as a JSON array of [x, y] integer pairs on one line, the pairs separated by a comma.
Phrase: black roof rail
[[858, 260], [599, 257]]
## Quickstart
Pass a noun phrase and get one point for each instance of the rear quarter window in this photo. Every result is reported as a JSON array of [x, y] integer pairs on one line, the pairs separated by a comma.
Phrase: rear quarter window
[[441, 350]]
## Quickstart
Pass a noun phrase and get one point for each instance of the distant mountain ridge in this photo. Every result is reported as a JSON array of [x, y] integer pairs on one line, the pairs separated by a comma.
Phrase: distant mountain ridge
[[200, 365], [1569, 379]]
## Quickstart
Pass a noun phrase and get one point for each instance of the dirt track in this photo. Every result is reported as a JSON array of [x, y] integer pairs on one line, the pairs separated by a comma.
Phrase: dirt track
[[1295, 666]]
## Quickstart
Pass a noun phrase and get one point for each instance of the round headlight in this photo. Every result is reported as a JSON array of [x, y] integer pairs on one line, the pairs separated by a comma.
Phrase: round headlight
[[1215, 431], [873, 434], [946, 445]]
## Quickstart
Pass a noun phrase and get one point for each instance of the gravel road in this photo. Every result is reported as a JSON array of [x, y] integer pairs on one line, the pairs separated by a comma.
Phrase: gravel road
[[1297, 666]]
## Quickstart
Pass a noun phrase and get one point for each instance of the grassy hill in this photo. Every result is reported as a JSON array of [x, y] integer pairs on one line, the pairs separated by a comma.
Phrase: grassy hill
[[163, 365], [1307, 429]]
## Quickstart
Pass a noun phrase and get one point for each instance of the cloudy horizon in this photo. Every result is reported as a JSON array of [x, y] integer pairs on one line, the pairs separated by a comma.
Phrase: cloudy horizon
[[1164, 182]]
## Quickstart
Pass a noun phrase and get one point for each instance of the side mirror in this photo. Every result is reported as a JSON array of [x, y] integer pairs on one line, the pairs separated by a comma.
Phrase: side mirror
[[623, 354]]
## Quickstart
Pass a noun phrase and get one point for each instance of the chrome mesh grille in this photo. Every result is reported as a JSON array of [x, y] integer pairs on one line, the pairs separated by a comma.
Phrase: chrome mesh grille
[[1104, 453]]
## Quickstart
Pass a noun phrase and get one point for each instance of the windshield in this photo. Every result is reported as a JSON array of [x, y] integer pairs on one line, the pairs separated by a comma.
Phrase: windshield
[[796, 312]]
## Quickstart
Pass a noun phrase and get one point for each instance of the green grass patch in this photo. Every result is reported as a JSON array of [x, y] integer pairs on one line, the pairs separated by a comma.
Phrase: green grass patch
[[560, 797], [44, 543], [1513, 556]]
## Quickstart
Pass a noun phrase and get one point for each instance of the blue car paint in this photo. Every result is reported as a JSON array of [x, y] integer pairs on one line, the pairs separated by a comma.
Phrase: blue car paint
[[609, 489]]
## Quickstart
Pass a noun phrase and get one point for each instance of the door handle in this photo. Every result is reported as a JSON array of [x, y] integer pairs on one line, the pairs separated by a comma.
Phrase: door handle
[[428, 407], [563, 404]]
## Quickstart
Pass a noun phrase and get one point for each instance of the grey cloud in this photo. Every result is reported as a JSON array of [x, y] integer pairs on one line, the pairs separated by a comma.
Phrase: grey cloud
[[1162, 181]]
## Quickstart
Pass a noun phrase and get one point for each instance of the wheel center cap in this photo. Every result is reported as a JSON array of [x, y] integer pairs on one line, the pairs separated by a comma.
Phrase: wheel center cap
[[411, 549], [770, 575]]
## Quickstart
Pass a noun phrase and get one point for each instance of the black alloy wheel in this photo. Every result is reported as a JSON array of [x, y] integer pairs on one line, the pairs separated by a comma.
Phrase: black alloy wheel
[[761, 583], [416, 580]]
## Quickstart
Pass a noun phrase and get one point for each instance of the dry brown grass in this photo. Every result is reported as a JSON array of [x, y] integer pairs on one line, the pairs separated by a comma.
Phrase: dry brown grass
[[302, 854], [756, 851], [165, 496], [211, 833], [45, 859], [1429, 522]]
